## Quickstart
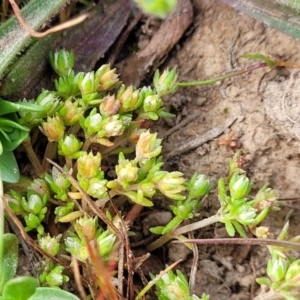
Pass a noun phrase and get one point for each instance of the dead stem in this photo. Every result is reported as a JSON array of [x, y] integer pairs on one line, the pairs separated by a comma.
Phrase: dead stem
[[49, 153], [57, 28], [194, 266], [181, 230], [32, 157], [77, 278], [243, 241]]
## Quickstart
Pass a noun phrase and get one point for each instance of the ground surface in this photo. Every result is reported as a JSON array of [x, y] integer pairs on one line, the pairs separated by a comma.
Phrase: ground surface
[[259, 110], [265, 111]]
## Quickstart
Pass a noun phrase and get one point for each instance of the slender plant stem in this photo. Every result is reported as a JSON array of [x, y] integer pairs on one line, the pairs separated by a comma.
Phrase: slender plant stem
[[49, 153], [245, 241], [197, 225], [219, 78], [32, 157], [181, 230]]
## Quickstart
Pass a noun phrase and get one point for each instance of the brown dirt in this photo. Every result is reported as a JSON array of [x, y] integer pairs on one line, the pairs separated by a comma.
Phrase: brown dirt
[[265, 105]]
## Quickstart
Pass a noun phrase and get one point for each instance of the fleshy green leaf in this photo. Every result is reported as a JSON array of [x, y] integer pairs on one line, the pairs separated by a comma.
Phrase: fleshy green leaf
[[7, 107], [20, 288], [9, 261], [52, 293], [157, 230], [9, 167], [230, 228]]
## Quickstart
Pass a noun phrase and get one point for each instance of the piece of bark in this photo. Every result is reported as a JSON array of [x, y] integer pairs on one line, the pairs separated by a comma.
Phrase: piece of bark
[[89, 40], [134, 67], [170, 32]]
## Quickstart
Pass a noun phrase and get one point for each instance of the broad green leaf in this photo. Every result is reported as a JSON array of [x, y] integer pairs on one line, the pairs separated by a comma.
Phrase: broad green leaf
[[20, 288], [52, 294], [9, 167], [9, 261]]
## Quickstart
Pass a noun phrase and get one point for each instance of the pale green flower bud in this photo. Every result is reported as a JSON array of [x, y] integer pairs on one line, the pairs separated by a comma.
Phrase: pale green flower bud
[[292, 276], [148, 146], [35, 204], [129, 98], [112, 126], [88, 84], [109, 106], [89, 165], [245, 214], [39, 187], [166, 82], [86, 227], [148, 188], [67, 86], [199, 186], [49, 101], [69, 146], [171, 185], [76, 247], [106, 242], [171, 286], [262, 232], [70, 112], [97, 187], [93, 123], [53, 129], [62, 61], [152, 103], [277, 267], [55, 278], [50, 244], [239, 186], [107, 78], [127, 172]]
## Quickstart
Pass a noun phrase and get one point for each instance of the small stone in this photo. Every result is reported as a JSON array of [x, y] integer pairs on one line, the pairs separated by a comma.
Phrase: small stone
[[156, 219]]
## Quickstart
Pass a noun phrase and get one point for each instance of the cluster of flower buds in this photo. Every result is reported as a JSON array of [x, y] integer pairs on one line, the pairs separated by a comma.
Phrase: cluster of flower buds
[[62, 62], [237, 209], [58, 183], [87, 229], [69, 147], [283, 270], [90, 176], [197, 187], [175, 286], [49, 103], [33, 206], [166, 82]]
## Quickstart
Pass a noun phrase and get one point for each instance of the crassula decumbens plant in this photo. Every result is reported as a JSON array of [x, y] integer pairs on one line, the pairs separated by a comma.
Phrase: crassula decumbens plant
[[90, 119]]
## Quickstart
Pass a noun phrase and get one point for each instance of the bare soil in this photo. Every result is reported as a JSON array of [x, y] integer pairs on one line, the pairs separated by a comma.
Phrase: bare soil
[[259, 111]]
